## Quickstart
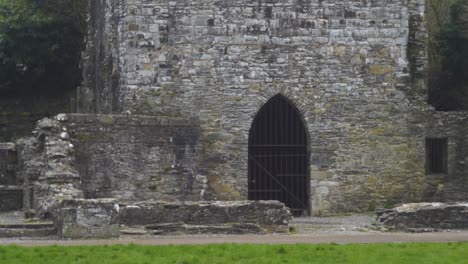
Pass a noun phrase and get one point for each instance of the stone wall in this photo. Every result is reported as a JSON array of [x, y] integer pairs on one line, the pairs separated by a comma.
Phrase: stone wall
[[131, 158], [191, 76], [136, 158], [354, 69], [100, 90], [453, 185]]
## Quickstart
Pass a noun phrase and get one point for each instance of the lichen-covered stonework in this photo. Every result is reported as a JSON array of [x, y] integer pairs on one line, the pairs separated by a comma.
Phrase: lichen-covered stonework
[[420, 216], [136, 158], [272, 216], [354, 69], [47, 166], [88, 219], [132, 158]]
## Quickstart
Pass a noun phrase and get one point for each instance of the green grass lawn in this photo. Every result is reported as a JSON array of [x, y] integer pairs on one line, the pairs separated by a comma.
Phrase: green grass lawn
[[233, 253]]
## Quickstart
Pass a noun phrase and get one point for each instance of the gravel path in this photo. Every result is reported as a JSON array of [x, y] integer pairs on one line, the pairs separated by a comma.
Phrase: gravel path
[[267, 239]]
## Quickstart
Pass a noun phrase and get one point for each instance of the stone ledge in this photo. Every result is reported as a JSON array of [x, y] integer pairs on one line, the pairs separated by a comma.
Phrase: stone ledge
[[11, 188], [426, 215], [272, 216], [48, 231], [127, 120], [179, 228], [9, 146]]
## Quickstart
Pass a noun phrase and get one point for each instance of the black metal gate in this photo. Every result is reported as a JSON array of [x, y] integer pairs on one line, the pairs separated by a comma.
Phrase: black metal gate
[[278, 157]]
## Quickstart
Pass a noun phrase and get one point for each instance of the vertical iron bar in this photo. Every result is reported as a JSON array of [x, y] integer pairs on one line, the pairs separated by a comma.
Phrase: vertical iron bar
[[279, 148], [434, 151], [274, 131]]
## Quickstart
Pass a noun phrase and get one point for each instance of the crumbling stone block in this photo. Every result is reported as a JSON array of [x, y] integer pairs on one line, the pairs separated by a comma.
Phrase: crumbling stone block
[[272, 216], [426, 215], [88, 218]]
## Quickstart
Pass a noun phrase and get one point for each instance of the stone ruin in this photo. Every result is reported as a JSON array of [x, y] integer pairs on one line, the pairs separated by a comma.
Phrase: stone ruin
[[423, 217], [321, 105]]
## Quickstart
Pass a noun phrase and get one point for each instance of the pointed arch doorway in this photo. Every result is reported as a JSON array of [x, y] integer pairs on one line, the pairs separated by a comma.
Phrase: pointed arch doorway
[[278, 156]]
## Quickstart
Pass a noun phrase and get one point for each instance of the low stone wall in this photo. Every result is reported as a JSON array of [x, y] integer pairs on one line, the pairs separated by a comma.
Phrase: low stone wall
[[11, 198], [426, 215], [130, 158], [273, 216], [103, 218], [92, 218], [136, 158]]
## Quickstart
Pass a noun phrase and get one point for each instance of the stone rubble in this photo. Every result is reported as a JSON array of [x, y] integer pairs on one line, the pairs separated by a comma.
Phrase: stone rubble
[[426, 216]]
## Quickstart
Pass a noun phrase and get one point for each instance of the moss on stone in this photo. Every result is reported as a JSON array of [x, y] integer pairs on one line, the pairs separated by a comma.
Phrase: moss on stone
[[106, 120], [222, 190], [372, 180], [84, 138], [377, 69], [378, 131]]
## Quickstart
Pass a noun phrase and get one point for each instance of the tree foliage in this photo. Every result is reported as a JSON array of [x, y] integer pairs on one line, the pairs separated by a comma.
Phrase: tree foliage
[[437, 15], [40, 45], [448, 54]]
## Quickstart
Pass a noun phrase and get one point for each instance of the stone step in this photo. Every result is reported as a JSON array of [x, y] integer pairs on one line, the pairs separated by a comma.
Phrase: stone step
[[186, 229], [335, 223], [35, 230]]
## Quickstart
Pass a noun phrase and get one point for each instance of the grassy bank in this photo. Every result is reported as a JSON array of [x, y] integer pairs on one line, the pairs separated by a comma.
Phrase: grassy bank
[[233, 253]]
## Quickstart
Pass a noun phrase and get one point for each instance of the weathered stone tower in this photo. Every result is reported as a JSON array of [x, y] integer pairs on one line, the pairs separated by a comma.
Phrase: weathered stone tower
[[318, 104]]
